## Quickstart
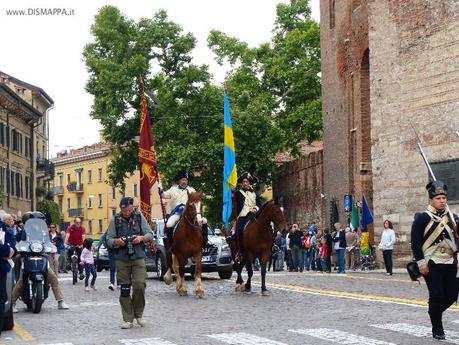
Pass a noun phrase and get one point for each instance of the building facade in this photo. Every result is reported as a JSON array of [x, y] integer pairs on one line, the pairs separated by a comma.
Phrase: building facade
[[389, 68], [24, 138], [81, 188]]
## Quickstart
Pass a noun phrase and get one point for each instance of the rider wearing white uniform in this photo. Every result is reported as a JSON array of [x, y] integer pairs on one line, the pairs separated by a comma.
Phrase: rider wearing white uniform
[[179, 197]]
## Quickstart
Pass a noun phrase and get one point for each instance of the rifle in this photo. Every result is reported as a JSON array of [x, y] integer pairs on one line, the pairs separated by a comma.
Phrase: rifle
[[432, 176]]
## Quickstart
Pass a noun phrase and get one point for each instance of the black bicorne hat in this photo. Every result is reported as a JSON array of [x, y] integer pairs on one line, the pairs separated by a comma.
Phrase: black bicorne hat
[[182, 174], [249, 174], [413, 271], [436, 188]]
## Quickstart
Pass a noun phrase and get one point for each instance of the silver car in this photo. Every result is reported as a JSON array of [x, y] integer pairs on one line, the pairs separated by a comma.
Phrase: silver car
[[216, 256]]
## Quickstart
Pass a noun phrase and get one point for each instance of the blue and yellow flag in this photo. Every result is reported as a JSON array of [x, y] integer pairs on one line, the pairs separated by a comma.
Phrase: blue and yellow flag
[[229, 163]]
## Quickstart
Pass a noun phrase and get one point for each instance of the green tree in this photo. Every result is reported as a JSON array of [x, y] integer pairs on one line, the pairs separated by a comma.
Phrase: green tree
[[187, 110], [280, 78]]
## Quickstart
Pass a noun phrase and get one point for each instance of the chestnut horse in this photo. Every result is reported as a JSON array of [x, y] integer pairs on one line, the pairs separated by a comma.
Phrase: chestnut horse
[[257, 240], [187, 242]]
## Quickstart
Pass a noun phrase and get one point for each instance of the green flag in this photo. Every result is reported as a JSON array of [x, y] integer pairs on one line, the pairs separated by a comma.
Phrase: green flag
[[354, 217]]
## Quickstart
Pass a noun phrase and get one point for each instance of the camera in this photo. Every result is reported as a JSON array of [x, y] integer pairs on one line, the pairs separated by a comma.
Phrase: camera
[[130, 246]]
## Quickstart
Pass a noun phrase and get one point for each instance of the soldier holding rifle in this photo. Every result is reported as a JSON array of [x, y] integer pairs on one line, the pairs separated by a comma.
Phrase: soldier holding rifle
[[434, 243]]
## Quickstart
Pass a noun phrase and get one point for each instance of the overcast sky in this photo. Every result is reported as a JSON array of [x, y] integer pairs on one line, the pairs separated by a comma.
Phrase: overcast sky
[[45, 50]]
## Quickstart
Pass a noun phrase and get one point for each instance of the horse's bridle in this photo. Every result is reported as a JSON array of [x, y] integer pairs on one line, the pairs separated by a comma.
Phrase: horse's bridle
[[194, 222]]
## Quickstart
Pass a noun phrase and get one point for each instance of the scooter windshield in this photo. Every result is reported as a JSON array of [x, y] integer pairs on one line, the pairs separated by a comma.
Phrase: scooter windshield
[[37, 230]]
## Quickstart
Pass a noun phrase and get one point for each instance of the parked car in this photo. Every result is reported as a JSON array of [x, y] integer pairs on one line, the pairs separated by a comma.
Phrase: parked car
[[216, 257], [155, 261]]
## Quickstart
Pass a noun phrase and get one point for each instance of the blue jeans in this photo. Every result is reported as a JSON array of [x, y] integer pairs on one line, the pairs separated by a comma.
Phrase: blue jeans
[[111, 257], [306, 259], [279, 264], [340, 258], [90, 269]]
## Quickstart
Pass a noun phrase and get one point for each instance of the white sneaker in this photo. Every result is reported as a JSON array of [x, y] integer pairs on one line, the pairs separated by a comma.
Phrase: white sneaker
[[126, 325], [111, 287], [86, 288], [62, 305], [141, 322], [15, 310]]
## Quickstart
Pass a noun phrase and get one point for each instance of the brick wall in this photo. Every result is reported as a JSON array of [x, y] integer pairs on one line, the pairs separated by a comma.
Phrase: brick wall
[[414, 50], [346, 101], [298, 185]]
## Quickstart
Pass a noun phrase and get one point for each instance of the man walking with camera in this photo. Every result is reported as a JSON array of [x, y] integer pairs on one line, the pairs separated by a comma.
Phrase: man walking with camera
[[127, 233]]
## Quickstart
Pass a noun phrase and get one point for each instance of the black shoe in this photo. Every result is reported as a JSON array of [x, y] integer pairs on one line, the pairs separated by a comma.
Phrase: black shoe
[[439, 336], [81, 276]]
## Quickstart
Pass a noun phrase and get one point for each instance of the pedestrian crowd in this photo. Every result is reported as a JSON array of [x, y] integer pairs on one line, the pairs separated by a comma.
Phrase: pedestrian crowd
[[320, 250]]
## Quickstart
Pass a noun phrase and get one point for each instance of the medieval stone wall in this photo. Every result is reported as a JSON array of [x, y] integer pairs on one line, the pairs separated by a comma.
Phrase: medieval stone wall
[[298, 185]]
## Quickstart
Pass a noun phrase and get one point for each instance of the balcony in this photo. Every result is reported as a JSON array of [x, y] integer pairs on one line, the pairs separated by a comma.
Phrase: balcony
[[45, 169], [75, 187], [75, 212], [58, 190]]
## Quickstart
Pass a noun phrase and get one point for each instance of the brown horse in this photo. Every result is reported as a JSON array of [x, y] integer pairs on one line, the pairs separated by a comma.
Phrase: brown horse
[[187, 242], [257, 241]]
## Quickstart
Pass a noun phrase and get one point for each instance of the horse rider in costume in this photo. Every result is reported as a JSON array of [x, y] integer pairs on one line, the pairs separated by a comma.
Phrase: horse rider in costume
[[247, 204], [179, 196], [434, 246]]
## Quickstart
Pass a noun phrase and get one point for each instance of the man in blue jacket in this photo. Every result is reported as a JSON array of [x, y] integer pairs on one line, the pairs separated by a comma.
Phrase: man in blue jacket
[[7, 250]]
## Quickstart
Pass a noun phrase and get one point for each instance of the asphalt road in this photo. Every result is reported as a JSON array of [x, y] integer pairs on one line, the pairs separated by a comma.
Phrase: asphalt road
[[303, 308]]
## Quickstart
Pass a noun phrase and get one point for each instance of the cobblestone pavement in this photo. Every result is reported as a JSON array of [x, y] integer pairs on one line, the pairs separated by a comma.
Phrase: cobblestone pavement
[[303, 308]]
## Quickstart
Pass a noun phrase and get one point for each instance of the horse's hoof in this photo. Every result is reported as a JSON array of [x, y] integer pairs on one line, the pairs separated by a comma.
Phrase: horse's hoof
[[182, 292], [238, 288], [265, 293], [247, 289], [200, 294]]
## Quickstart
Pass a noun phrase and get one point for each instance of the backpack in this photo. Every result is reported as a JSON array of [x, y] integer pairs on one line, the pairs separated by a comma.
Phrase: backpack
[[307, 242]]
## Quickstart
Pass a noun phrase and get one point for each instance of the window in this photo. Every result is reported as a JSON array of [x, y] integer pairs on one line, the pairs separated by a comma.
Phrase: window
[[100, 226], [68, 203], [12, 183], [68, 178], [135, 190], [100, 200], [99, 174], [27, 187], [90, 226], [79, 202], [61, 177], [113, 192], [27, 147], [89, 176], [8, 144], [89, 202], [60, 205], [20, 143], [18, 181], [2, 134]]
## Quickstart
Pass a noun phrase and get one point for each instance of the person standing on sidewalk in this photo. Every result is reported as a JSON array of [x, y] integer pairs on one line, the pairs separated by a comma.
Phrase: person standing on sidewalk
[[387, 245], [351, 248], [296, 248], [128, 232], [434, 248], [340, 246]]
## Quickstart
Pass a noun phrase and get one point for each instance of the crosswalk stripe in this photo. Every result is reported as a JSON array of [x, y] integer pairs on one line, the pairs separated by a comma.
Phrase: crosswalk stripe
[[456, 321], [336, 336], [243, 339], [145, 341], [417, 331], [58, 344]]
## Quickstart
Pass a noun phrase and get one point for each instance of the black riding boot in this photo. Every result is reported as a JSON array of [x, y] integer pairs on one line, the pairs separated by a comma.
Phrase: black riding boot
[[169, 235], [205, 235], [436, 320]]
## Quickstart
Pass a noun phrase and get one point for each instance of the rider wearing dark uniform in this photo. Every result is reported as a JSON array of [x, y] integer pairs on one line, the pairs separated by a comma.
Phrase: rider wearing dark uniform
[[435, 249], [247, 200]]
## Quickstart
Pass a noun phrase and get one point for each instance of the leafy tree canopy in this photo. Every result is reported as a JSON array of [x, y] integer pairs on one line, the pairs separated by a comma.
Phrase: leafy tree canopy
[[274, 94]]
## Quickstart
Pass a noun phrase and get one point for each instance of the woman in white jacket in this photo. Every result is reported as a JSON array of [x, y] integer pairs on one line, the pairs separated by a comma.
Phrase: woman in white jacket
[[387, 245]]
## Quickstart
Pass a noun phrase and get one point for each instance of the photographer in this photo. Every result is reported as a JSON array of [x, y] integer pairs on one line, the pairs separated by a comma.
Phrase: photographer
[[127, 233]]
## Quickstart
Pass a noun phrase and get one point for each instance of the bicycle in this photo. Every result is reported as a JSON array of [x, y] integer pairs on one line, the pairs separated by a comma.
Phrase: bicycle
[[74, 263]]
